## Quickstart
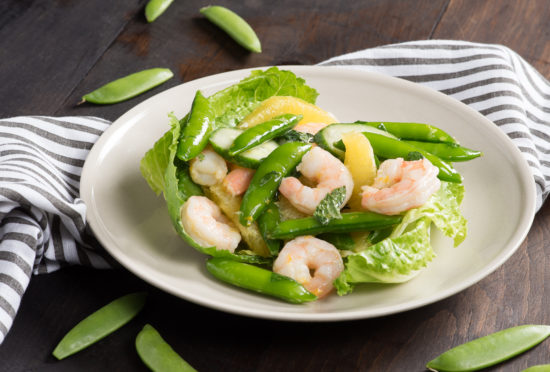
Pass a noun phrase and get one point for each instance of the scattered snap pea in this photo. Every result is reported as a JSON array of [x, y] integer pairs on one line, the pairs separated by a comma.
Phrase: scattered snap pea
[[352, 221], [263, 132], [491, 349], [267, 178], [157, 354], [259, 280], [100, 324], [412, 131], [267, 221], [539, 368], [196, 129], [128, 87], [155, 8], [234, 26]]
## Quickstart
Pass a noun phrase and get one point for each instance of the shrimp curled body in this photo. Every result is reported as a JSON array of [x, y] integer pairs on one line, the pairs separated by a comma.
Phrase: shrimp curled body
[[327, 171], [208, 168], [304, 254], [204, 221], [401, 185]]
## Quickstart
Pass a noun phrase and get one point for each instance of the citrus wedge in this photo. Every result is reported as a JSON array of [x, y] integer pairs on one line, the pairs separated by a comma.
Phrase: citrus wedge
[[359, 159], [279, 105]]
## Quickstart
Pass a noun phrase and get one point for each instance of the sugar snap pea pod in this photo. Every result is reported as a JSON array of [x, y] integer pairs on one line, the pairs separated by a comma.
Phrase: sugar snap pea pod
[[259, 280], [451, 152], [267, 221], [278, 164], [446, 151], [155, 8], [538, 368], [412, 131], [100, 324], [263, 132], [390, 148], [234, 26], [352, 221], [157, 354], [491, 349], [196, 129], [128, 87]]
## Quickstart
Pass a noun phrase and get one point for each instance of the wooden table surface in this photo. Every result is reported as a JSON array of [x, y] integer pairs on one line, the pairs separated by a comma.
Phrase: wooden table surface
[[54, 51]]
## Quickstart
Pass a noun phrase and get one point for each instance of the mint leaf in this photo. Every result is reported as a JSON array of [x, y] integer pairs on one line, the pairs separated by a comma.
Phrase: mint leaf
[[295, 136], [414, 155], [329, 208]]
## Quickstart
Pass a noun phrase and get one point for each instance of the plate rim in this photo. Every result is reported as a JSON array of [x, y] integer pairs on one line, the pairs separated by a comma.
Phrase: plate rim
[[527, 183]]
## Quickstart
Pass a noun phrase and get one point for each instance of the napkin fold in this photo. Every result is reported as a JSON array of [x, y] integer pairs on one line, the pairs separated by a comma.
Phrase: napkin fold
[[43, 222]]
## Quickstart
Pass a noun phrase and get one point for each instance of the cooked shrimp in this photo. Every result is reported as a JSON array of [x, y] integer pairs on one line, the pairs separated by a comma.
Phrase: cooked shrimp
[[400, 185], [323, 168], [203, 220], [208, 168], [304, 254], [311, 128], [238, 180]]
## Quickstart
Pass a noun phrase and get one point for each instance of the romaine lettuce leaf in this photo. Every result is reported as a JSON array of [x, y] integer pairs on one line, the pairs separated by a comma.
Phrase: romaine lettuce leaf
[[399, 257]]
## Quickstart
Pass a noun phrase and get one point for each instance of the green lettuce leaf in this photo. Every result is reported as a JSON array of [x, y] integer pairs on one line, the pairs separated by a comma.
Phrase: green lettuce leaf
[[399, 257], [229, 107]]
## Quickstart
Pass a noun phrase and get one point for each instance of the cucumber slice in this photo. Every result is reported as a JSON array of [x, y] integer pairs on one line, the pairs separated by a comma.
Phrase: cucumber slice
[[328, 136], [223, 138]]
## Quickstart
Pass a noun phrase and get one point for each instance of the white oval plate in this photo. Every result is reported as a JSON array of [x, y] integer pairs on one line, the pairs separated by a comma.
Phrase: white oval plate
[[133, 224]]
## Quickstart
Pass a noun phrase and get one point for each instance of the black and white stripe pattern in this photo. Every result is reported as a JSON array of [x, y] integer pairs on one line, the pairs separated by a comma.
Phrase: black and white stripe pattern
[[42, 220], [492, 79]]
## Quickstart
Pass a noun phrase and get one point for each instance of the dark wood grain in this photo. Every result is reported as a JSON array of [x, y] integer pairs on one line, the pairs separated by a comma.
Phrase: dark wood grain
[[52, 52]]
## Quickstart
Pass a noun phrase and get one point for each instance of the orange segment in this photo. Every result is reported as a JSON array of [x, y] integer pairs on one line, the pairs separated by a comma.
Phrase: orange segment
[[279, 105], [359, 159]]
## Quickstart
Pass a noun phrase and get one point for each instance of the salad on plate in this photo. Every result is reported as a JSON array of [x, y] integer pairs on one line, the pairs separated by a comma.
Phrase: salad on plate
[[289, 202]]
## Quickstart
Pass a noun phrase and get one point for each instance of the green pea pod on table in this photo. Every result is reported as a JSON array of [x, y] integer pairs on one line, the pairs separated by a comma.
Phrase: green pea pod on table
[[155, 8], [412, 131], [538, 368], [157, 354], [352, 221], [234, 26], [390, 148], [491, 349], [128, 87], [100, 324], [267, 178], [263, 132], [259, 280], [195, 129]]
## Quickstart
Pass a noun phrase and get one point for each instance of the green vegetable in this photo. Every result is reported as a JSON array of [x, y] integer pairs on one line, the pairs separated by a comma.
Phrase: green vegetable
[[155, 8], [196, 129], [128, 87], [267, 222], [446, 151], [342, 241], [295, 136], [234, 26], [328, 208], [399, 257], [352, 221], [263, 132], [100, 324], [157, 354], [222, 138], [390, 148], [538, 368], [491, 349], [412, 131], [259, 280], [268, 177]]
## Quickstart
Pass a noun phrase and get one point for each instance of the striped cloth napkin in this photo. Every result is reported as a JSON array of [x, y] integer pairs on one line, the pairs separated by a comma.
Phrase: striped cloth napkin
[[42, 219]]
